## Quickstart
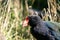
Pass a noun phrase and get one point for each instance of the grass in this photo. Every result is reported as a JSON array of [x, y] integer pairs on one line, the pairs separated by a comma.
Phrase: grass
[[11, 17]]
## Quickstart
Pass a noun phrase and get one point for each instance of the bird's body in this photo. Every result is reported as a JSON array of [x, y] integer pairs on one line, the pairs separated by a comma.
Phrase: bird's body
[[54, 27], [40, 33], [42, 30]]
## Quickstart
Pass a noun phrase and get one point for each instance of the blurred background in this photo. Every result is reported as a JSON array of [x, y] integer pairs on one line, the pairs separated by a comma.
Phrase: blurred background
[[12, 12]]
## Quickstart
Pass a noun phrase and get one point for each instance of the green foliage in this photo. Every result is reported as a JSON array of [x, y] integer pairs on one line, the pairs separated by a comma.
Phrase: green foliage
[[12, 15], [11, 19]]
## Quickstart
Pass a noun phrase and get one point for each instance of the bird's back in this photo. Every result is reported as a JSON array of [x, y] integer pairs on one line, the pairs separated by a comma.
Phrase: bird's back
[[54, 27]]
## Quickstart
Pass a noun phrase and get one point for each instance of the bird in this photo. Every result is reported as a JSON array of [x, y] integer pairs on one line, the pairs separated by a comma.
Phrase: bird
[[32, 11], [42, 30], [40, 13]]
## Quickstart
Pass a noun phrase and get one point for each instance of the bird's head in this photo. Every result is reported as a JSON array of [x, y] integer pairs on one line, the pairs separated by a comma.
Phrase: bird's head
[[31, 20]]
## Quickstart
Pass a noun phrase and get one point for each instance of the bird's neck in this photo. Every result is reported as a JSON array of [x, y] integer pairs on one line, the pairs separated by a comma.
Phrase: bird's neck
[[39, 24]]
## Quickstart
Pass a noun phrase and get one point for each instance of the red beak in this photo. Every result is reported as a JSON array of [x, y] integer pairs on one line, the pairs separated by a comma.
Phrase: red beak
[[25, 22]]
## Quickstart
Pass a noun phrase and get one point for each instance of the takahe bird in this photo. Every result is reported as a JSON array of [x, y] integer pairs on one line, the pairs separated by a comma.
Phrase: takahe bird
[[40, 13], [36, 12], [42, 30]]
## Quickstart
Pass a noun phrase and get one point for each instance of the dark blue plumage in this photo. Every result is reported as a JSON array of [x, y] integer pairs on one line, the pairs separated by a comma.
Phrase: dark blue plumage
[[54, 27], [44, 30]]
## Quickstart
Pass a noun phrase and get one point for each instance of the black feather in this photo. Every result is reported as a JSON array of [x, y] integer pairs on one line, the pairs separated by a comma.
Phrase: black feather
[[42, 30]]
